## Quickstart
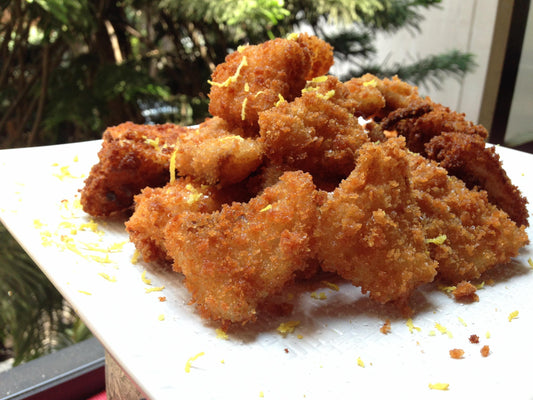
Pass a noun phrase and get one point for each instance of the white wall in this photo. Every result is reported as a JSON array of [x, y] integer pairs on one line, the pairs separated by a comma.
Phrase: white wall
[[456, 24]]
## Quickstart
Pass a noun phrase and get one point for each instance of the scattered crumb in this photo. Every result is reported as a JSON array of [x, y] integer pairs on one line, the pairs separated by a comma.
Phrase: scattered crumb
[[465, 291], [439, 386], [474, 339], [485, 351], [457, 353], [386, 328], [286, 350], [162, 298]]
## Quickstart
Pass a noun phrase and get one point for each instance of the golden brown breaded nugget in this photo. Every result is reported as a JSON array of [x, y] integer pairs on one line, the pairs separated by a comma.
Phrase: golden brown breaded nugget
[[321, 54], [132, 157], [213, 153], [254, 78], [419, 131], [366, 97], [313, 133], [467, 157], [234, 259], [369, 229], [154, 207], [466, 234]]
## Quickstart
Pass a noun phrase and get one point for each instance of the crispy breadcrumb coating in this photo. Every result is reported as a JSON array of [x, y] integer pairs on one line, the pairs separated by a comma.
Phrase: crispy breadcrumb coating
[[234, 259], [369, 229], [132, 157], [255, 77], [313, 133], [282, 183], [466, 157], [214, 153], [154, 207], [477, 235]]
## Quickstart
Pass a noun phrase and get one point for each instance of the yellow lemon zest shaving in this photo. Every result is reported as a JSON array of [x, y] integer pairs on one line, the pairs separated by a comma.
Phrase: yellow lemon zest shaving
[[152, 142], [154, 289], [411, 326], [188, 364], [372, 83], [232, 78], [330, 285], [172, 166], [221, 334], [287, 327], [439, 386], [243, 109], [107, 277], [145, 279], [437, 240], [280, 100], [319, 79], [443, 330]]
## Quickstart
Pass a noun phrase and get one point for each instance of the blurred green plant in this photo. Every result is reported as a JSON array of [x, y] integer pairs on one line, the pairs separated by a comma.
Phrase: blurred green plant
[[69, 68], [34, 318]]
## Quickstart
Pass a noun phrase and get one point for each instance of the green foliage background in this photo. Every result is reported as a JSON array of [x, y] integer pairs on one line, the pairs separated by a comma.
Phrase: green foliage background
[[69, 68]]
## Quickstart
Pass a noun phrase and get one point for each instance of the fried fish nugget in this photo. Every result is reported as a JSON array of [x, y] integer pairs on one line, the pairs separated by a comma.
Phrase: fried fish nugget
[[419, 131], [467, 157], [234, 259], [254, 78], [216, 154], [466, 234], [313, 133], [369, 229], [154, 207], [366, 98], [132, 157]]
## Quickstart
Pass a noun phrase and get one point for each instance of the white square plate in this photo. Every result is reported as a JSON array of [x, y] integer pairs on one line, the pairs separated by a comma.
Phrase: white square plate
[[336, 351]]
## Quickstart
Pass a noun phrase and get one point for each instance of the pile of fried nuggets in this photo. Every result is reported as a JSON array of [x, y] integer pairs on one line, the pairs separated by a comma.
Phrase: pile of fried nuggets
[[283, 182]]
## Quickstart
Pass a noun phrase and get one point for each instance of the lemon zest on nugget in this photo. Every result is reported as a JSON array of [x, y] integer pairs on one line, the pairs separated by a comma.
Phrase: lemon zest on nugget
[[232, 78], [437, 240]]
